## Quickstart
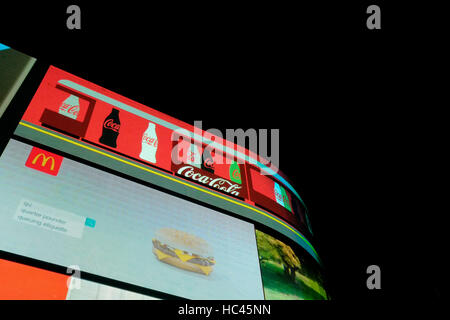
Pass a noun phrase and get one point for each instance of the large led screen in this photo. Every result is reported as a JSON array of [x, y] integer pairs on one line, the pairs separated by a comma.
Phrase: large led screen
[[288, 274], [63, 212], [80, 118]]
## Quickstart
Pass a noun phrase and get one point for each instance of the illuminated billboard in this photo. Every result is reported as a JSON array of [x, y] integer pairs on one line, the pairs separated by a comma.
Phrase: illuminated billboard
[[77, 112], [122, 230], [130, 195]]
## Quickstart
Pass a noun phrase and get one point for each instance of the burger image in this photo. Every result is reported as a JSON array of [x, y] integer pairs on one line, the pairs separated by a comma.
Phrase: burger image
[[183, 250]]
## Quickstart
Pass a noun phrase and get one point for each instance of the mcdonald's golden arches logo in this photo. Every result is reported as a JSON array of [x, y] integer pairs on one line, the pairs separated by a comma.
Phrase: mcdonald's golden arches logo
[[44, 161]]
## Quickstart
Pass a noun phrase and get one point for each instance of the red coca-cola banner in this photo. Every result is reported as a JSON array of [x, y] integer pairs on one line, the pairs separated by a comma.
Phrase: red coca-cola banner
[[208, 168], [96, 116], [71, 105], [211, 181]]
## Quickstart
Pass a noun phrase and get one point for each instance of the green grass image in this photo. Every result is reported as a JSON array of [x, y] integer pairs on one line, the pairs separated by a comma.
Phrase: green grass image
[[284, 274], [277, 285]]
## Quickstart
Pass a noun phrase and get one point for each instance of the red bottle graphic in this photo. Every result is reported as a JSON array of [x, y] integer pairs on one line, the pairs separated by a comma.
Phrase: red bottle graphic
[[111, 127]]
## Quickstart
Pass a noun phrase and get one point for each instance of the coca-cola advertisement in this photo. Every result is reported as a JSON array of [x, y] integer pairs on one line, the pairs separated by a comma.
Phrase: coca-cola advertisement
[[111, 127], [70, 107], [208, 160], [218, 175], [149, 144], [67, 103], [221, 184]]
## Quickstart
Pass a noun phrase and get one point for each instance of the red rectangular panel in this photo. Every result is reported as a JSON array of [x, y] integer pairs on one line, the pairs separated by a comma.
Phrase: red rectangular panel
[[22, 282], [263, 192], [44, 161], [262, 184]]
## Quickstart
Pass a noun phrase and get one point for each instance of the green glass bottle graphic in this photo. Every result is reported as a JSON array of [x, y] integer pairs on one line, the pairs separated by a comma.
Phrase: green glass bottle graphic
[[235, 173], [285, 199]]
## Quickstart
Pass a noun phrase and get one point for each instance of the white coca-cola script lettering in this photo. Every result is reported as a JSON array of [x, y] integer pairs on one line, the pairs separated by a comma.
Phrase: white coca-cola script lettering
[[218, 183]]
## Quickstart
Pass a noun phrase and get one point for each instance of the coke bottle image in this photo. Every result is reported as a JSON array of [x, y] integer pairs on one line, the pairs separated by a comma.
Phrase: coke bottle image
[[285, 199], [188, 153], [235, 172], [70, 107], [193, 157], [207, 160], [111, 127], [278, 194], [149, 143]]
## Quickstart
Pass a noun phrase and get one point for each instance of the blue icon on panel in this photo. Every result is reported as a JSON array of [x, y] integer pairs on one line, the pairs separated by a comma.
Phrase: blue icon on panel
[[89, 222], [3, 47]]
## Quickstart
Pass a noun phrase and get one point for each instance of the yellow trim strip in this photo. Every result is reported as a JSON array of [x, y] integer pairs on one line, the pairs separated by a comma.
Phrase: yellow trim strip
[[170, 178]]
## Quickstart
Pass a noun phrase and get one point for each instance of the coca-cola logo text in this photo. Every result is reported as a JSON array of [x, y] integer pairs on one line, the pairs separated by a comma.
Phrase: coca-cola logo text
[[236, 174], [110, 124], [150, 140], [209, 163], [70, 109], [192, 156], [218, 183]]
